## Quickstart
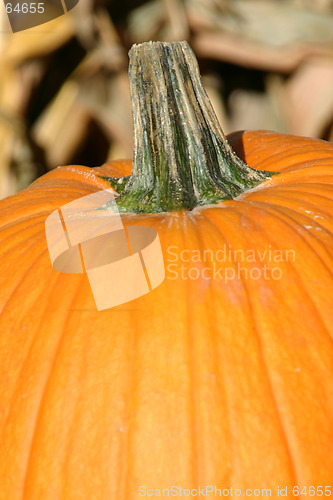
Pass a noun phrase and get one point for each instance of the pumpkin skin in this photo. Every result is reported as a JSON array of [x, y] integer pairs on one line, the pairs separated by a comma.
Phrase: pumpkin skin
[[196, 383]]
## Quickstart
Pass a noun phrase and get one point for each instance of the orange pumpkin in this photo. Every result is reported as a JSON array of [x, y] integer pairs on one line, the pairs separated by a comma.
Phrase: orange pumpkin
[[220, 377]]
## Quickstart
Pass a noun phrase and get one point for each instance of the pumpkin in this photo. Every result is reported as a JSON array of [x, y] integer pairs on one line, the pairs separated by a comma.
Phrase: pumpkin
[[221, 376]]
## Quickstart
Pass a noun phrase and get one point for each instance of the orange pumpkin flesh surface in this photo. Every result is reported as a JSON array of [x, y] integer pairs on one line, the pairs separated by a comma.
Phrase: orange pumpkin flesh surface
[[201, 381]]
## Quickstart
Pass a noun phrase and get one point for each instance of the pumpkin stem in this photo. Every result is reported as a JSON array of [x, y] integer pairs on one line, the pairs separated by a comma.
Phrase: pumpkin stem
[[182, 158]]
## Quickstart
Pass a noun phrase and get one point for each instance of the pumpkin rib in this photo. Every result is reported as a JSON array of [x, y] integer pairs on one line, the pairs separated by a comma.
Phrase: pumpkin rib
[[192, 371], [74, 420], [288, 190], [22, 279], [263, 204], [181, 222], [306, 197], [256, 141], [282, 217], [325, 162], [308, 175], [69, 439], [28, 247], [41, 403], [295, 212], [32, 217], [284, 433], [284, 201], [276, 207], [75, 175], [22, 370], [301, 188], [30, 209], [24, 219], [283, 426], [10, 228], [39, 255], [222, 371], [219, 367], [288, 163], [325, 190], [222, 381], [263, 208], [287, 194], [298, 224], [249, 296], [224, 375], [232, 432], [263, 150], [124, 471], [67, 191]]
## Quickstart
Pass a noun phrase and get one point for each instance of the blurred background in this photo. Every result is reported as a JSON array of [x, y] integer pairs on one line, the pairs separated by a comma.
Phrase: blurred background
[[64, 94]]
